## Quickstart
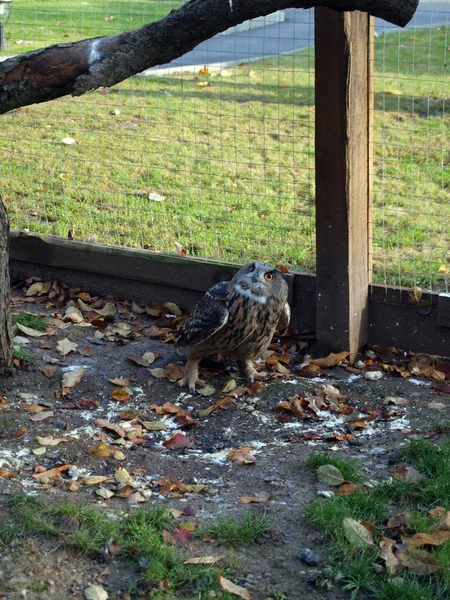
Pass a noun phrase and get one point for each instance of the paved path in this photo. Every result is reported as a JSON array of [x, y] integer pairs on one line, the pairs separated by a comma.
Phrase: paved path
[[295, 33]]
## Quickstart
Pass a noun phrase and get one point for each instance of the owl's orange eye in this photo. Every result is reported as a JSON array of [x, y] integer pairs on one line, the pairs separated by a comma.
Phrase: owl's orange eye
[[269, 276]]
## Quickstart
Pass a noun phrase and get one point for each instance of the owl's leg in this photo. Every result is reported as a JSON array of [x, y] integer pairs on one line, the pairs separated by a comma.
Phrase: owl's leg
[[191, 378], [249, 372]]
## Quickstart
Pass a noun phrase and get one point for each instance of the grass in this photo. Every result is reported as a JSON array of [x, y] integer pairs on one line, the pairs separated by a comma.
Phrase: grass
[[30, 320], [348, 467], [234, 158], [37, 23], [354, 567], [139, 537], [238, 532]]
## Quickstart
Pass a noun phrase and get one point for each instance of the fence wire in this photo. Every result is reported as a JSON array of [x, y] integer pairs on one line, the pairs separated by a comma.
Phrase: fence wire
[[214, 153], [412, 151], [217, 158]]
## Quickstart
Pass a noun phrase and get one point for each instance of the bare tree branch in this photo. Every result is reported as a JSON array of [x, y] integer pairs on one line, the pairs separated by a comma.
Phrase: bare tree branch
[[77, 67]]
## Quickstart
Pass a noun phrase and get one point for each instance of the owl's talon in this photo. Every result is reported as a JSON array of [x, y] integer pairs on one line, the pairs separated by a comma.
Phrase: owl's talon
[[191, 384], [191, 378]]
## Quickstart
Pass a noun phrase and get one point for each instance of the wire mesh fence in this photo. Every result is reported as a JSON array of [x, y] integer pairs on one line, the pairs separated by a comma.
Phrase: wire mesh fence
[[412, 151], [215, 152]]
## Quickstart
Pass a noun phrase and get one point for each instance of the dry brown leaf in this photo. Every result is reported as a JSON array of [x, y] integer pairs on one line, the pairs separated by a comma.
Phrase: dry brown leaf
[[123, 382], [419, 562], [95, 479], [398, 521], [65, 346], [105, 424], [49, 372], [4, 404], [222, 403], [347, 488], [203, 560], [242, 456], [7, 474], [51, 473], [444, 522], [331, 360], [174, 372], [41, 416], [72, 378], [253, 499], [234, 589], [387, 547], [425, 370], [120, 395], [424, 539]]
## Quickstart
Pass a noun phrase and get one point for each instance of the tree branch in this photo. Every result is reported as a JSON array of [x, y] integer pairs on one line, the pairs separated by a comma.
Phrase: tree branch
[[78, 67]]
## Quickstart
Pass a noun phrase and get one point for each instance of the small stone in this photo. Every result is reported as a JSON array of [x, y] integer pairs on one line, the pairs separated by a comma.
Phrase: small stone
[[309, 557], [376, 451], [371, 354], [355, 442], [359, 364], [373, 375]]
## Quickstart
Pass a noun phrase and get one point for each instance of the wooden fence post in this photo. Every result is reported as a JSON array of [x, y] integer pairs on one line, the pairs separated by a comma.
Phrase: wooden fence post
[[343, 130]]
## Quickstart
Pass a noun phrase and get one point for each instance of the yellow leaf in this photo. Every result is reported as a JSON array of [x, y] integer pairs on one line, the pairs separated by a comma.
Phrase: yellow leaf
[[204, 84], [442, 269]]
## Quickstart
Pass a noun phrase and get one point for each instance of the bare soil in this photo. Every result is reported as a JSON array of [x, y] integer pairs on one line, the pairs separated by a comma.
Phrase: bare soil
[[281, 442]]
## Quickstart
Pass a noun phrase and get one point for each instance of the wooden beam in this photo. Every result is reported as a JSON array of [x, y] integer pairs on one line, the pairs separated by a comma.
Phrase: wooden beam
[[342, 44]]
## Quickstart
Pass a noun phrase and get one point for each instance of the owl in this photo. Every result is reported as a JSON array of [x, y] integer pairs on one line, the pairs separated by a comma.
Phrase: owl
[[236, 318]]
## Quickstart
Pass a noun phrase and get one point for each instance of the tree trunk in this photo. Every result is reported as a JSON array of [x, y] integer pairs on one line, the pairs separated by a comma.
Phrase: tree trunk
[[78, 67], [5, 324]]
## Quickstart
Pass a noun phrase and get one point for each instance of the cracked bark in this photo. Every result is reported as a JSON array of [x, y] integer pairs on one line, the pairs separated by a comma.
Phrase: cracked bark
[[5, 325]]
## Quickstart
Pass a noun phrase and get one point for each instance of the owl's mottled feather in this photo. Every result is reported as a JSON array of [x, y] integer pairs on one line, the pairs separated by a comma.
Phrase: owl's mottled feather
[[236, 318], [207, 317]]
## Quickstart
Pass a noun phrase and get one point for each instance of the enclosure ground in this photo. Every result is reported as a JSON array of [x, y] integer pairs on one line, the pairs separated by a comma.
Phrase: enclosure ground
[[54, 394]]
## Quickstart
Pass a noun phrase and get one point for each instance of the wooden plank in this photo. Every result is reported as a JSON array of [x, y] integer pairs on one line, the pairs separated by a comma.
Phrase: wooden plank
[[342, 182], [371, 109]]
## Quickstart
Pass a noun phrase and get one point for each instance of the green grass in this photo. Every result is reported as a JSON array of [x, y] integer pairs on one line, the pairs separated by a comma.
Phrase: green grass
[[139, 535], [348, 467], [30, 320], [229, 531], [235, 160], [37, 23], [353, 567]]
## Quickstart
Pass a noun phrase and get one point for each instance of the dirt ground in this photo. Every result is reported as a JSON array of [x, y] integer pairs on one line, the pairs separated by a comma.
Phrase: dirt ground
[[366, 417]]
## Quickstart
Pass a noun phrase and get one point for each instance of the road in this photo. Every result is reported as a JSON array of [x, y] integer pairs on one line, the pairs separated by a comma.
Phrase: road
[[295, 33]]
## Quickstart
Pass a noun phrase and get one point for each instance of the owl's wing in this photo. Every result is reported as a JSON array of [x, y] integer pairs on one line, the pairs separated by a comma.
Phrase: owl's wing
[[207, 317], [285, 317]]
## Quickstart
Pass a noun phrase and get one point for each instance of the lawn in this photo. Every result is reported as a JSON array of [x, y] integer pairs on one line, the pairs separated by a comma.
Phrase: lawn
[[223, 163]]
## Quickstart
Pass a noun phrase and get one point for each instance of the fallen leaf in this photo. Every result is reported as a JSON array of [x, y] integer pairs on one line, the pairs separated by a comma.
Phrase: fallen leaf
[[178, 442], [105, 424], [444, 522], [4, 404], [68, 141], [425, 370], [124, 382], [387, 554], [158, 373], [203, 560], [95, 592], [180, 250], [253, 499], [121, 475], [408, 474], [65, 346], [120, 395], [174, 372], [242, 456], [419, 562], [95, 479], [69, 524], [180, 537], [330, 475], [51, 473], [347, 489], [72, 378], [73, 314], [222, 403], [154, 425], [207, 390], [234, 589], [101, 450], [41, 416], [7, 474], [331, 360], [108, 310], [50, 441], [399, 520], [49, 372], [358, 535], [29, 331], [424, 539]]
